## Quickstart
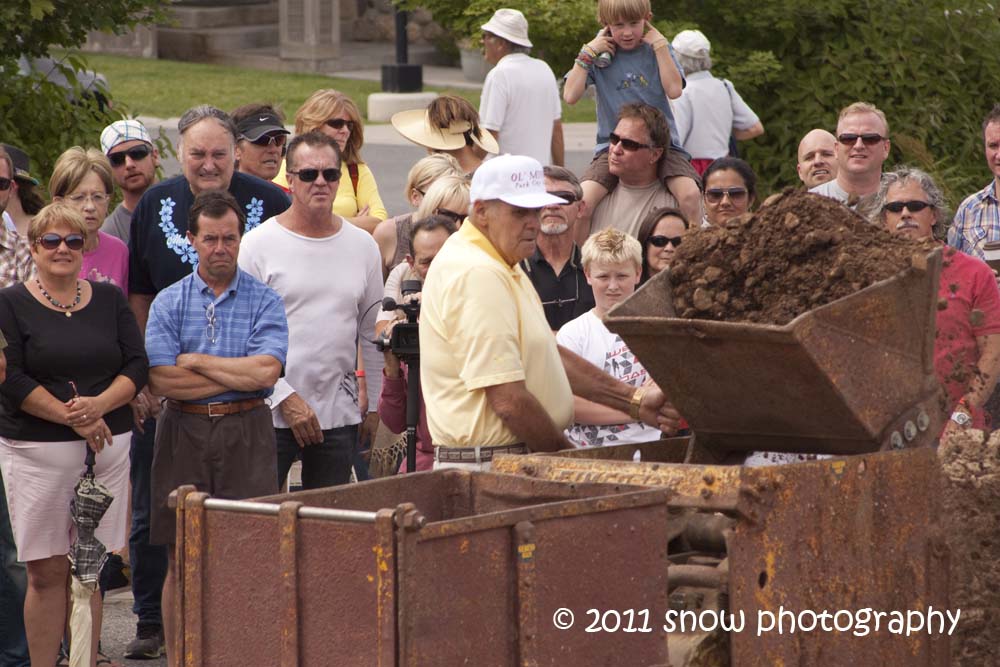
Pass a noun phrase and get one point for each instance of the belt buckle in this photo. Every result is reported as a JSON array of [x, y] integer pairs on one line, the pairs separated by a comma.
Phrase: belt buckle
[[211, 414]]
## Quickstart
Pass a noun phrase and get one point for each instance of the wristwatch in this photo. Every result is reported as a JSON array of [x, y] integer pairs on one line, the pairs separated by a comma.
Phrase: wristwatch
[[961, 418]]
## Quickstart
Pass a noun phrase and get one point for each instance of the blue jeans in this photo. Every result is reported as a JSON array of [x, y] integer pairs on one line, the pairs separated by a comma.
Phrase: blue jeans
[[325, 464], [13, 584], [149, 562]]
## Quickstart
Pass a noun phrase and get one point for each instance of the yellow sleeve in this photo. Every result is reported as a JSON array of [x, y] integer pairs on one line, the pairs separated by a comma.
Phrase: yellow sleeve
[[347, 203]]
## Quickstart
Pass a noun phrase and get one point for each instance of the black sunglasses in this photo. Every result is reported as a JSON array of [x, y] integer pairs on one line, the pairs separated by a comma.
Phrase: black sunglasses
[[457, 217], [277, 139], [849, 139], [914, 206], [5, 183], [51, 241], [628, 144], [661, 241], [570, 197], [714, 195], [330, 174], [136, 153], [339, 123]]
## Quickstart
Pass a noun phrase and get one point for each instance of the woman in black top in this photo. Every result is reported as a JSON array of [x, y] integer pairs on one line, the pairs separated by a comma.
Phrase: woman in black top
[[75, 358]]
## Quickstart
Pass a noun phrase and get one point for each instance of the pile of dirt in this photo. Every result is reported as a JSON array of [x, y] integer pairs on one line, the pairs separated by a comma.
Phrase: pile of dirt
[[970, 516], [798, 252]]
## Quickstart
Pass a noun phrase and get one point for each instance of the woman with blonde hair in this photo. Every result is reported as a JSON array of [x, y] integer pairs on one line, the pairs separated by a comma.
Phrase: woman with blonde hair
[[334, 114], [75, 358], [82, 179], [393, 234], [449, 125]]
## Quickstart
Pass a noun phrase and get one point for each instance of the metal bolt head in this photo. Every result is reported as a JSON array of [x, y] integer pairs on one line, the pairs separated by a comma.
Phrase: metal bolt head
[[923, 420], [709, 478], [896, 440]]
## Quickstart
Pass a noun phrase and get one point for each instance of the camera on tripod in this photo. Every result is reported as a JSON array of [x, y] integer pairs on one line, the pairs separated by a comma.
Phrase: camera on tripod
[[403, 341]]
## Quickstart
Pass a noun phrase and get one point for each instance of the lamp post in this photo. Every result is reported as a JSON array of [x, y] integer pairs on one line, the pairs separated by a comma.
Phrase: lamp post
[[402, 77]]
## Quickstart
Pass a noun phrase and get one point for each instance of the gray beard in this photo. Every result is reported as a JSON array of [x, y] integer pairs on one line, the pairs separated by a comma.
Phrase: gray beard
[[554, 228]]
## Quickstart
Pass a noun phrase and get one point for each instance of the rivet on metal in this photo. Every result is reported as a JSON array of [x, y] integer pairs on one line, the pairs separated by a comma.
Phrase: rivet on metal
[[923, 420], [896, 440], [909, 430]]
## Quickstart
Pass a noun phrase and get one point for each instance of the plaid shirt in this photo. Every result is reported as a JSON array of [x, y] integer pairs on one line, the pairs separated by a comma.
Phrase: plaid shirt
[[977, 221], [15, 258]]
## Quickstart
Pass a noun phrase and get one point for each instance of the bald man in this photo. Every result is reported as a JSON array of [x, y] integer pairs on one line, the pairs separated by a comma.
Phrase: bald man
[[817, 163]]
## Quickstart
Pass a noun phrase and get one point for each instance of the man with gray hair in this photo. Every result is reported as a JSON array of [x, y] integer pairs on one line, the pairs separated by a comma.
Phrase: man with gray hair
[[709, 111], [556, 267], [159, 255], [520, 94]]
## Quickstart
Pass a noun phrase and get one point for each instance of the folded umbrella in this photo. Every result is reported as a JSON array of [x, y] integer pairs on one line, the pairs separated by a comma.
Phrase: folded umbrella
[[86, 555]]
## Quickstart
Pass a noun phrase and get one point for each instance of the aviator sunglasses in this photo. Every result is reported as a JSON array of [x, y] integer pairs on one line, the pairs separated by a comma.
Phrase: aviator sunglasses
[[715, 195], [849, 139], [914, 206], [661, 241], [339, 123], [136, 153], [330, 174], [51, 241], [628, 144]]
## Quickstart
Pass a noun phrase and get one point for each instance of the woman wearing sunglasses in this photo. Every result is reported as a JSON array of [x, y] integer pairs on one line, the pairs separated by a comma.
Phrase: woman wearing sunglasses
[[75, 358], [967, 345], [83, 179], [659, 235], [730, 190], [334, 114]]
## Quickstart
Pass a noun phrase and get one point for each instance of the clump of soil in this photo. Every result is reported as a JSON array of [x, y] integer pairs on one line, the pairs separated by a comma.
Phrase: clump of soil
[[970, 516], [798, 252]]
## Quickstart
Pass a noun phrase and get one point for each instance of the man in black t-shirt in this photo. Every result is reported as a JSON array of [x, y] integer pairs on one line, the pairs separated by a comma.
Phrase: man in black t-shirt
[[160, 255]]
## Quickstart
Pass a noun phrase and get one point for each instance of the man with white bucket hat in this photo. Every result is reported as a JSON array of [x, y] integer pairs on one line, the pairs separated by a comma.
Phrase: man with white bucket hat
[[520, 95], [494, 380]]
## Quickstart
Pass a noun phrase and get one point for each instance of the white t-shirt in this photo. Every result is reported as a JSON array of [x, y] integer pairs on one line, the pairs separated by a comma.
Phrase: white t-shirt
[[327, 285], [832, 190], [626, 207], [520, 100], [706, 114], [588, 337]]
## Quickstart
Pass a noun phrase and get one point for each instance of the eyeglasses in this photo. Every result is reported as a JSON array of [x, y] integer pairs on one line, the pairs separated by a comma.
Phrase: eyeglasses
[[914, 206], [330, 174], [457, 217], [661, 241], [5, 184], [849, 139], [339, 123], [52, 240], [278, 139], [97, 197], [715, 195], [570, 197], [627, 144], [212, 328], [559, 303], [136, 153]]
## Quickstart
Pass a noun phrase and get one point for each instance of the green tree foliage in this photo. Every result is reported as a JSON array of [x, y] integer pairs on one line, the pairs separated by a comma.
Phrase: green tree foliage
[[41, 117], [931, 65]]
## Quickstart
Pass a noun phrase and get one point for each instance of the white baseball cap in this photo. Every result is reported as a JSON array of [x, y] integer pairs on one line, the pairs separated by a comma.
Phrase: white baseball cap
[[121, 131], [509, 24], [691, 43], [517, 180]]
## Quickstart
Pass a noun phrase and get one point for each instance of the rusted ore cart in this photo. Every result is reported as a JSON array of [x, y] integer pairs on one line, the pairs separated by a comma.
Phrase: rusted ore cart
[[441, 568], [854, 379]]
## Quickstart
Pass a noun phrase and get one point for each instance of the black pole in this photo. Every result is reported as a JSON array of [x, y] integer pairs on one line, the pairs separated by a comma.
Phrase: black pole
[[402, 77], [402, 57], [412, 412]]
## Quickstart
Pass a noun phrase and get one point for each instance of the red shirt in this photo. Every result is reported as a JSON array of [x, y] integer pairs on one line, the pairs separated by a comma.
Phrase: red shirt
[[968, 288]]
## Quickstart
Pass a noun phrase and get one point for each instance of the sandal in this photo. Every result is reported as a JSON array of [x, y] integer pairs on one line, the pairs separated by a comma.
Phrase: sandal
[[105, 661], [63, 660]]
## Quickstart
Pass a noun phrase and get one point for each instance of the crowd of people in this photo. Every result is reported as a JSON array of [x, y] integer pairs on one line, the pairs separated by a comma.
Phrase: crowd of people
[[220, 324]]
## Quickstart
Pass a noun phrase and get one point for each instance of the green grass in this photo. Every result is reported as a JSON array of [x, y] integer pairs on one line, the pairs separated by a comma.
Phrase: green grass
[[166, 88]]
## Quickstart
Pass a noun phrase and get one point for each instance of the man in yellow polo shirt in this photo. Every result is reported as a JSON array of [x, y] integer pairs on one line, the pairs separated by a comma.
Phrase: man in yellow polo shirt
[[494, 380]]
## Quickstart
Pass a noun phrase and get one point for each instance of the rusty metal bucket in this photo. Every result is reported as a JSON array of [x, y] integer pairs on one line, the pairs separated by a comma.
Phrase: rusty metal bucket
[[462, 568], [853, 376], [838, 534]]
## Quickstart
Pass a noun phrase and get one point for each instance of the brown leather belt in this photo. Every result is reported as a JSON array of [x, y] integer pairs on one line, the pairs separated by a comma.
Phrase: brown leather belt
[[218, 409], [476, 454]]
